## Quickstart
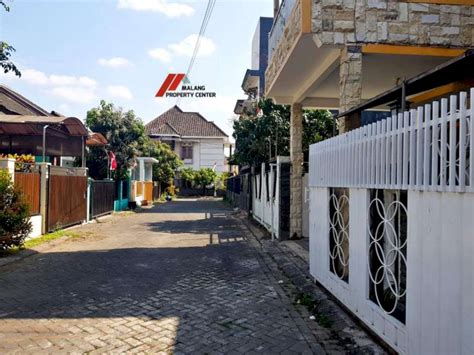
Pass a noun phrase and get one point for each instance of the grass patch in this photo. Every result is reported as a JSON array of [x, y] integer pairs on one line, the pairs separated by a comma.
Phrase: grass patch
[[31, 243], [312, 305]]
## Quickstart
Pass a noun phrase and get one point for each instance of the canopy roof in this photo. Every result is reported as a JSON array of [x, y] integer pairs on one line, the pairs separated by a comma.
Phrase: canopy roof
[[33, 125], [458, 69]]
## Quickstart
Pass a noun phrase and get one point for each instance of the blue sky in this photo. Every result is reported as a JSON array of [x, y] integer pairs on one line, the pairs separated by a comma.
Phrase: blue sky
[[75, 53]]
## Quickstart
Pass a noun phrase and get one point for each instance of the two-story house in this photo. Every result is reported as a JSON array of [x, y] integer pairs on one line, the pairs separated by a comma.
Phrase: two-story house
[[197, 141], [253, 83]]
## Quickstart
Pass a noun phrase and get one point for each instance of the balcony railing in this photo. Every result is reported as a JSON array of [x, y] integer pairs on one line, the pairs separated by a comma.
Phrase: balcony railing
[[279, 24]]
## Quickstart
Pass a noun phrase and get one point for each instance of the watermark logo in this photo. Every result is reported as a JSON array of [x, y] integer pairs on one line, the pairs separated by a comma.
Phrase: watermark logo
[[171, 88]]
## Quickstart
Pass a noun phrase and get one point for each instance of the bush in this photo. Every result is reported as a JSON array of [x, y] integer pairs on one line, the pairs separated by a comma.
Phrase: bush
[[187, 176], [205, 177], [15, 223]]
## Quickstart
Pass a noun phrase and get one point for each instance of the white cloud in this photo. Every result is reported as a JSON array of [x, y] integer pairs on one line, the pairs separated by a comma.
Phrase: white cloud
[[80, 89], [184, 48], [115, 62], [170, 9], [66, 80], [161, 54], [74, 94], [35, 77], [119, 91]]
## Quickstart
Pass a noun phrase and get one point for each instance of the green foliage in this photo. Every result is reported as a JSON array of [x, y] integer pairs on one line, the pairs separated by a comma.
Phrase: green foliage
[[205, 177], [169, 161], [188, 176], [15, 223], [6, 51], [313, 307], [125, 134], [256, 134]]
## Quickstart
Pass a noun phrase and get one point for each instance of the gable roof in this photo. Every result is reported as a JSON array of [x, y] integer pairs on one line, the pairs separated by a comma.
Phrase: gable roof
[[12, 103], [176, 122]]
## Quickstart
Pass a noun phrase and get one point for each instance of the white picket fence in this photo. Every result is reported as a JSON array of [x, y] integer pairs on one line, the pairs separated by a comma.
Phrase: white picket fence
[[427, 149]]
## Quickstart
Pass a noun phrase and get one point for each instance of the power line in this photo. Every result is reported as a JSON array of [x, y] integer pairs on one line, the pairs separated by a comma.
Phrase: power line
[[202, 31]]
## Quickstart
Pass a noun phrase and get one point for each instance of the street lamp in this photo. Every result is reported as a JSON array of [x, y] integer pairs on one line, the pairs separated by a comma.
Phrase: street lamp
[[44, 142]]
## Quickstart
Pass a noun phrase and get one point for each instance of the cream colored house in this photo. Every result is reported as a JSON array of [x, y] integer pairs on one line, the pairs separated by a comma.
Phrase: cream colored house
[[198, 142]]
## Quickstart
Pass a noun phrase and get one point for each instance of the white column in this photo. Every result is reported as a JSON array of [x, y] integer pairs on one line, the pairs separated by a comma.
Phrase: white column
[[44, 169]]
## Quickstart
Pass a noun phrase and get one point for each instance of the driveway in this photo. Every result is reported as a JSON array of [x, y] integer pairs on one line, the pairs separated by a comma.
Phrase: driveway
[[180, 277]]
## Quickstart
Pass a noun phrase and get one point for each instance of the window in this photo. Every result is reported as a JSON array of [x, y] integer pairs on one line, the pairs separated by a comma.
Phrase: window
[[339, 233], [187, 151], [388, 251]]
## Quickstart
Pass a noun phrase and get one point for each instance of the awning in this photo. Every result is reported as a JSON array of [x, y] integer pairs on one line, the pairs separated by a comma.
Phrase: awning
[[22, 134], [33, 125], [458, 69]]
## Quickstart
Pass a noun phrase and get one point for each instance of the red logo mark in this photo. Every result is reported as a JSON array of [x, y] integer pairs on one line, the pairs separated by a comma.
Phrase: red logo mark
[[171, 83]]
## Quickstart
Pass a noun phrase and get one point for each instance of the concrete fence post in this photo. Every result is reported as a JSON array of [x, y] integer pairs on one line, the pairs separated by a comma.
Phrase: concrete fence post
[[9, 165], [44, 169]]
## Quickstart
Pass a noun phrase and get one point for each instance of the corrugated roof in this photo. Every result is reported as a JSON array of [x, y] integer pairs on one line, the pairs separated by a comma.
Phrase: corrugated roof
[[30, 125], [12, 103], [184, 124]]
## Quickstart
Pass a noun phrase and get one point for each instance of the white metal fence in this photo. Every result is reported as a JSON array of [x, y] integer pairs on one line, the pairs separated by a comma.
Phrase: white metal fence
[[427, 149], [391, 225]]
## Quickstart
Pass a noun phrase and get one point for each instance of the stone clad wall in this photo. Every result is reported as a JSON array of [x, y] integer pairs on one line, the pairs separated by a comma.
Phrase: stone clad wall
[[392, 22], [290, 35]]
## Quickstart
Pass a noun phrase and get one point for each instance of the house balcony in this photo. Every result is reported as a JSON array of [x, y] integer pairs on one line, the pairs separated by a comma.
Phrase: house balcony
[[394, 40]]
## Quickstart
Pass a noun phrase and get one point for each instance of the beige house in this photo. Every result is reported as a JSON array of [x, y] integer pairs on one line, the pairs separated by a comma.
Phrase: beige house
[[338, 53]]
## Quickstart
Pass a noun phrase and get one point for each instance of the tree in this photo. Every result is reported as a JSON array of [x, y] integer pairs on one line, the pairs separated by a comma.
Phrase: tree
[[6, 51], [169, 161], [188, 176], [15, 223], [205, 177], [317, 126], [258, 135], [125, 134]]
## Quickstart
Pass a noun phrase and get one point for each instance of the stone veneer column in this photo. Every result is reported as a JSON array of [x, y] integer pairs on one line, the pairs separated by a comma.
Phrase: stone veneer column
[[296, 178], [350, 85]]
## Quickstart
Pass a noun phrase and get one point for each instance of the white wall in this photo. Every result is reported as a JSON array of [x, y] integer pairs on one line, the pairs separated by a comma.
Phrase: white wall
[[440, 270], [36, 222], [305, 206], [206, 152]]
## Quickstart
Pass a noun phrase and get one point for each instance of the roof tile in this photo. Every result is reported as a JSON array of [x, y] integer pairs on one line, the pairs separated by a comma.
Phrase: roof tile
[[189, 124]]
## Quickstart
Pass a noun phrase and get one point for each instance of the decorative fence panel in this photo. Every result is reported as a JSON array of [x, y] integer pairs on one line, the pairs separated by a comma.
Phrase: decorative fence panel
[[427, 149], [103, 194], [29, 184], [391, 221]]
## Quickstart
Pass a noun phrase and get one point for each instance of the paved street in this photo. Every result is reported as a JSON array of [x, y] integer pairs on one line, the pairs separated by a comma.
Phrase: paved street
[[180, 277]]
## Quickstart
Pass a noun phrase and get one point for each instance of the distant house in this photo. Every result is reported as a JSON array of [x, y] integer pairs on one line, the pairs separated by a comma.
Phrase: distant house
[[197, 141], [24, 124]]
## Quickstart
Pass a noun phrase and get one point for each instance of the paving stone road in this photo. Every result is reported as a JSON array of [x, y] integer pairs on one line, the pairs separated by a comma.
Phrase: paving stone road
[[178, 278]]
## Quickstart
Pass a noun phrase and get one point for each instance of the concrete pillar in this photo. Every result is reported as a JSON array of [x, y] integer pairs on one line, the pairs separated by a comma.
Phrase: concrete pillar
[[9, 165], [350, 86], [44, 170], [296, 178]]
